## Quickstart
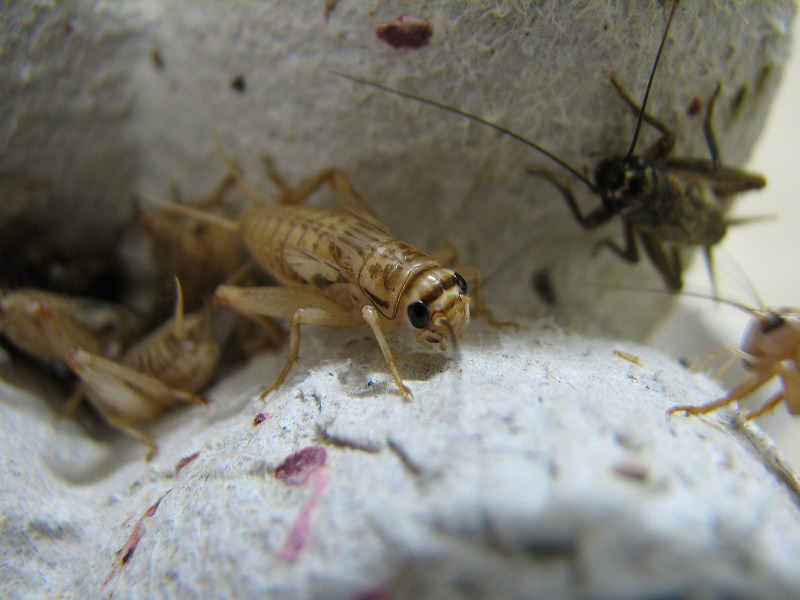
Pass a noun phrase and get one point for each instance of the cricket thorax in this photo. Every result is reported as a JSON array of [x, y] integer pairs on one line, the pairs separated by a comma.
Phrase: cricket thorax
[[386, 272]]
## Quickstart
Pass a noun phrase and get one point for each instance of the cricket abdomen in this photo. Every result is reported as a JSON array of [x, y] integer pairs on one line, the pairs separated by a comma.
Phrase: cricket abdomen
[[678, 210]]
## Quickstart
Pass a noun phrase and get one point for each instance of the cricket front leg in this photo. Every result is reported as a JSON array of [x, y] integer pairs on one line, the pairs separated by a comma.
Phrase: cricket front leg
[[743, 390], [372, 318], [298, 305]]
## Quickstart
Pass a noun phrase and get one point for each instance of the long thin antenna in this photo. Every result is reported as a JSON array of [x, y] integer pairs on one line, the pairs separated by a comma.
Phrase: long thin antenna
[[477, 119], [650, 82], [632, 288]]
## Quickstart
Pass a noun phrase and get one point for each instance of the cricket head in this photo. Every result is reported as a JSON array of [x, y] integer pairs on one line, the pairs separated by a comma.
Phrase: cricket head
[[437, 307], [621, 183], [771, 337]]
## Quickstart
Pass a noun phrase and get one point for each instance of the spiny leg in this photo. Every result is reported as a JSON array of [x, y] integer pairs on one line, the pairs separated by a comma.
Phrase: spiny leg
[[300, 306], [668, 264], [144, 438], [630, 253], [708, 129], [663, 145], [770, 403], [790, 380], [372, 318], [597, 217], [349, 199], [744, 389]]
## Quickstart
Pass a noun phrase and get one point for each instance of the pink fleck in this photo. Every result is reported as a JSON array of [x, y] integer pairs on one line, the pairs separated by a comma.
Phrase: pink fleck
[[301, 468], [406, 31], [296, 468], [301, 528], [694, 106], [185, 461], [260, 418], [125, 553]]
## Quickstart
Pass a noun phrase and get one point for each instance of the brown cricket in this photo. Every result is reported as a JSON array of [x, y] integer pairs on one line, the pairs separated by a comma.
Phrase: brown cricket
[[339, 268], [45, 325], [664, 202], [770, 348], [167, 367]]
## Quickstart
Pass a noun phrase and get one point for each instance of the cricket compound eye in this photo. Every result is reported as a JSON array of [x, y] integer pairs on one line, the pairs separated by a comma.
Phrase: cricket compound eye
[[418, 315], [462, 285]]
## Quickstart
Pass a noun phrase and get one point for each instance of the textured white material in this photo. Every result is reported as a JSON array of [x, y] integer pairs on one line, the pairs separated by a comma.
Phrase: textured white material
[[531, 464], [536, 464]]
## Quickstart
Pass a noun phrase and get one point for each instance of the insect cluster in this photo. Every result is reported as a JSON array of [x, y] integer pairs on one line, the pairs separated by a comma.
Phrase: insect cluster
[[344, 268]]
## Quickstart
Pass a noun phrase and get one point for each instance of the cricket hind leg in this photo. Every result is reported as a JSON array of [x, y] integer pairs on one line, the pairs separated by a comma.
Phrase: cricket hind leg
[[666, 262], [348, 197]]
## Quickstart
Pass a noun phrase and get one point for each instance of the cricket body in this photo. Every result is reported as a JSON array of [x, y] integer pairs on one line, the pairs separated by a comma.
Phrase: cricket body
[[770, 347], [341, 269], [664, 202], [169, 366], [45, 325], [199, 255]]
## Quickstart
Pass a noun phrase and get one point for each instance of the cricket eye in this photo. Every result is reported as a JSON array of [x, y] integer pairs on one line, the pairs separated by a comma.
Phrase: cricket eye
[[770, 322], [418, 315], [461, 283]]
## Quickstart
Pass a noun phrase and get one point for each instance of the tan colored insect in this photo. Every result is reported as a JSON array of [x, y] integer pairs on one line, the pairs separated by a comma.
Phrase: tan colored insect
[[340, 269], [45, 325], [663, 202], [199, 255], [770, 347], [167, 367]]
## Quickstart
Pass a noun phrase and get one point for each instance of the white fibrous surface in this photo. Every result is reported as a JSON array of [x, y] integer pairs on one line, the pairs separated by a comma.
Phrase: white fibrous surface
[[532, 462]]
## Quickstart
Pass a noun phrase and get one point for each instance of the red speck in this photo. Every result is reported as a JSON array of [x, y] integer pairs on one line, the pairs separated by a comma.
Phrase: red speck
[[185, 461], [260, 418], [296, 468], [406, 31], [125, 553], [694, 106]]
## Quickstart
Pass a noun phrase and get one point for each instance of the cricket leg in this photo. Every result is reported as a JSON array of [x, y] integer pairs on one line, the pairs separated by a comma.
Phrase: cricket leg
[[744, 389], [597, 217], [299, 306]]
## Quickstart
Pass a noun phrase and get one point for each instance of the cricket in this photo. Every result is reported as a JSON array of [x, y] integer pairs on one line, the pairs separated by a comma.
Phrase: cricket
[[167, 367], [199, 255], [770, 347], [664, 202], [339, 268], [45, 325]]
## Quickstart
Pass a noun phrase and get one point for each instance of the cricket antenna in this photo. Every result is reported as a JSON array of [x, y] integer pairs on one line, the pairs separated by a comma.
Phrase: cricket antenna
[[477, 119], [650, 82]]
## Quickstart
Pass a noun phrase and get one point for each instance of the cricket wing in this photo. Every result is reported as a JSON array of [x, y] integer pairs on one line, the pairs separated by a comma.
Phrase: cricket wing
[[722, 180], [317, 270]]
